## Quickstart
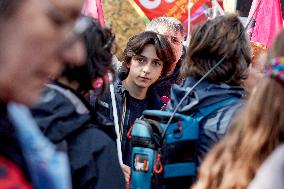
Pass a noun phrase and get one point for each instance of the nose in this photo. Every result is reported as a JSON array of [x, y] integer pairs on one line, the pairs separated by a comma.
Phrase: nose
[[147, 68], [74, 54]]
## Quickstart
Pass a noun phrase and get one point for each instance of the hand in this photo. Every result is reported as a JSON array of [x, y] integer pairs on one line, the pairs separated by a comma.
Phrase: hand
[[126, 172]]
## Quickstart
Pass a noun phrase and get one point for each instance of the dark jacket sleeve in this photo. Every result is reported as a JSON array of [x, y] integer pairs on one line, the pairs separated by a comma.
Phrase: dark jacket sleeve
[[96, 167]]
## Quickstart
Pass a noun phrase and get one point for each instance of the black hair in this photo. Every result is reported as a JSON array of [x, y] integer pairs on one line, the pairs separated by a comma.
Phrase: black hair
[[98, 43]]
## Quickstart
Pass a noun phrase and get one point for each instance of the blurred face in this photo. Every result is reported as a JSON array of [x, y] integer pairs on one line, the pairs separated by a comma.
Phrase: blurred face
[[31, 44], [145, 68], [175, 38], [256, 72]]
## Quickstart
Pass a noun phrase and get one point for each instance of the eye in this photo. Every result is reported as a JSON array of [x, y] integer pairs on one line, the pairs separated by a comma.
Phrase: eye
[[141, 60], [57, 18], [157, 63], [175, 40]]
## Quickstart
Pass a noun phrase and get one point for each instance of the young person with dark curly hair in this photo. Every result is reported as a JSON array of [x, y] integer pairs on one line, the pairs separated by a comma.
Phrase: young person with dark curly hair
[[147, 57], [70, 122]]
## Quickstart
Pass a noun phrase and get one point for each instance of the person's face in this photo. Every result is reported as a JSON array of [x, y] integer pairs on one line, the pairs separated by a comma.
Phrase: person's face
[[145, 69], [256, 72], [31, 47], [175, 38]]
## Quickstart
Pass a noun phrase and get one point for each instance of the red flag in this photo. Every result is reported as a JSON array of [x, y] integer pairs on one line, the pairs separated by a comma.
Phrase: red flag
[[149, 9], [94, 8], [267, 21], [153, 9]]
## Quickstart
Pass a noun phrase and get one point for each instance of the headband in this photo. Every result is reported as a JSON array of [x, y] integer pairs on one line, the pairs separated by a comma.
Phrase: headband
[[275, 68]]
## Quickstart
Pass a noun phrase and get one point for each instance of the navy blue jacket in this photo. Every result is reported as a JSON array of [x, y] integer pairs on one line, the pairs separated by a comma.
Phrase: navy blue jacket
[[163, 86], [67, 119], [104, 106], [216, 124]]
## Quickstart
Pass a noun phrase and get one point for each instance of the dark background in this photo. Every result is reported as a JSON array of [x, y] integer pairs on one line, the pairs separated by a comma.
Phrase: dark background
[[243, 6]]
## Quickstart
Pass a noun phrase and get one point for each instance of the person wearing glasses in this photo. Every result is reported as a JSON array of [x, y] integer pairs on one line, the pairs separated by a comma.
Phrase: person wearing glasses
[[147, 57], [33, 37], [70, 122], [173, 30]]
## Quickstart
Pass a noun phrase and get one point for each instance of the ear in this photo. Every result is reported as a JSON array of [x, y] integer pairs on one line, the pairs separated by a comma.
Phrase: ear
[[127, 64]]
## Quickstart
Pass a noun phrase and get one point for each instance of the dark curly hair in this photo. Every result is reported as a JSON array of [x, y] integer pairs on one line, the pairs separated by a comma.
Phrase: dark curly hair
[[210, 42], [98, 43], [137, 43]]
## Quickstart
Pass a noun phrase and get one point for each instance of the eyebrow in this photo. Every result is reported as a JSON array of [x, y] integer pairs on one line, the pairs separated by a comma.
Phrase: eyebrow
[[57, 16], [155, 59]]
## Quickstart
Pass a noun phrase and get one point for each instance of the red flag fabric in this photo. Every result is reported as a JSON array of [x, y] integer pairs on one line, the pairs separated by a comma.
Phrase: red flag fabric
[[156, 8], [198, 17], [267, 21], [150, 9]]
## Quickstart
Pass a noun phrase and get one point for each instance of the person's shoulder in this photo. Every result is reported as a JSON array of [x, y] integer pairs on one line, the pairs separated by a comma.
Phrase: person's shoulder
[[53, 95], [95, 137], [219, 121], [271, 172], [11, 175]]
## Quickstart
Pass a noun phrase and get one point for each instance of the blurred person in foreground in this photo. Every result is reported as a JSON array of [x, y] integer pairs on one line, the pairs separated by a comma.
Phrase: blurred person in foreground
[[270, 173], [255, 133], [70, 122], [33, 34]]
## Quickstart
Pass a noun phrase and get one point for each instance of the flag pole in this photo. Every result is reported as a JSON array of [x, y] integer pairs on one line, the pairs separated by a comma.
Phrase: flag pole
[[115, 118], [100, 12], [188, 23]]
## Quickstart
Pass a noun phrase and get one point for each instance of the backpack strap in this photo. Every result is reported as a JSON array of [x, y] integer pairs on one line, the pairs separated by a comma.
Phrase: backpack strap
[[204, 112]]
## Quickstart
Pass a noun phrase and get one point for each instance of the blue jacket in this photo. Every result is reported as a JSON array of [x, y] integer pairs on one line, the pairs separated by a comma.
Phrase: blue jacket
[[104, 106], [216, 124], [67, 119], [9, 145]]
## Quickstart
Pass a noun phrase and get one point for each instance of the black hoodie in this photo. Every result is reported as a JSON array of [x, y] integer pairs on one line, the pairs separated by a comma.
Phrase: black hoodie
[[69, 121]]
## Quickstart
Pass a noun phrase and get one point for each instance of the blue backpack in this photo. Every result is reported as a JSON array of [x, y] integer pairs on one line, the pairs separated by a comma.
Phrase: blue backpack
[[164, 156]]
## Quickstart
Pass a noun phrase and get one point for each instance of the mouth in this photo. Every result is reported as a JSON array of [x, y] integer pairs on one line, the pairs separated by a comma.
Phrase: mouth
[[144, 78]]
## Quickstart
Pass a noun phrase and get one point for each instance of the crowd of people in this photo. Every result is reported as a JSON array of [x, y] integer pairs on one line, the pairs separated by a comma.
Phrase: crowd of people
[[56, 110]]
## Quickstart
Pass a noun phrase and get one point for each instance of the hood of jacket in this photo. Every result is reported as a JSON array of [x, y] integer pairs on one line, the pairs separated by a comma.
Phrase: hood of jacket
[[204, 94], [62, 111]]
